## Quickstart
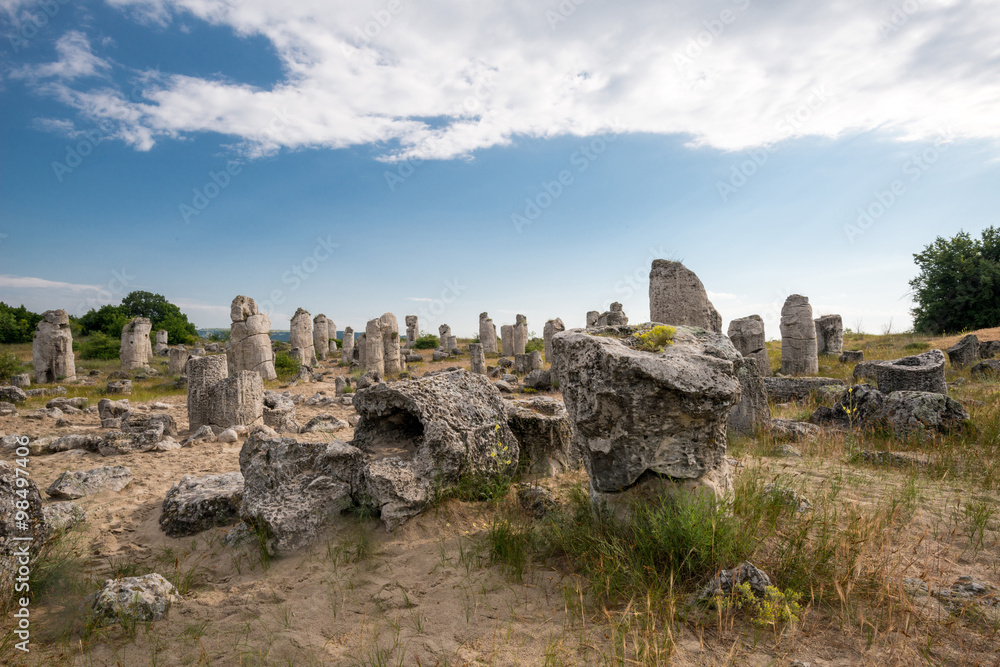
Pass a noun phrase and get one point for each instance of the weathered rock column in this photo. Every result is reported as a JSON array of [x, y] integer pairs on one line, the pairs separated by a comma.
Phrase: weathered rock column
[[347, 345], [331, 347], [520, 334], [798, 337], [747, 335], [677, 296], [321, 336], [592, 317], [249, 339], [753, 411], [177, 358], [552, 327], [507, 339], [478, 364], [52, 348], [302, 336], [444, 333], [204, 373], [160, 349], [135, 344], [390, 344], [829, 335], [487, 334], [412, 330], [614, 317], [648, 422], [374, 348]]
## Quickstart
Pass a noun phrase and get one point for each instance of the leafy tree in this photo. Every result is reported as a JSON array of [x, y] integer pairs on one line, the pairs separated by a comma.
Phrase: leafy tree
[[108, 320], [958, 287], [17, 325], [178, 329]]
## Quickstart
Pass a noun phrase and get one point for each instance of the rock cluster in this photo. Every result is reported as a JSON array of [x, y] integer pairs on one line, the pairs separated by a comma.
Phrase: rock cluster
[[215, 398]]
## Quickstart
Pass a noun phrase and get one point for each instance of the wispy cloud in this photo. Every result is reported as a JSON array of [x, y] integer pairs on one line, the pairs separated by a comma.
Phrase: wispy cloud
[[41, 283], [348, 83], [420, 298], [76, 60]]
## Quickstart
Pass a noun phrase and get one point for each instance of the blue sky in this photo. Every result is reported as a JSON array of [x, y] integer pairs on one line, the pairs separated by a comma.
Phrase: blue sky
[[448, 158]]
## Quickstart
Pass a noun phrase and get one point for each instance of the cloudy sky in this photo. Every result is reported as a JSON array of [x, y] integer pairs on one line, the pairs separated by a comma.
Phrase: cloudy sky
[[443, 158]]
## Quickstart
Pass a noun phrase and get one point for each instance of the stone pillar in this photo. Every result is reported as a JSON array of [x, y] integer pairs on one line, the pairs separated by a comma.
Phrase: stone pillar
[[374, 348], [798, 337], [360, 347], [452, 345], [302, 336], [321, 336], [135, 343], [592, 317], [747, 335], [478, 358], [444, 332], [520, 334], [177, 358], [347, 345], [507, 340], [160, 349], [552, 327], [412, 330], [52, 348], [534, 361], [203, 374], [390, 344], [236, 400], [487, 334], [250, 339], [830, 335], [614, 317], [677, 296]]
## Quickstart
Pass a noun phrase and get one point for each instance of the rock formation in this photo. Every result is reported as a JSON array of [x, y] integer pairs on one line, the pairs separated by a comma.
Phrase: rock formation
[[507, 340], [52, 348], [965, 352], [677, 296], [135, 344], [922, 372], [249, 341], [301, 337], [487, 334], [478, 359], [374, 359], [520, 334], [347, 346], [829, 335], [412, 330], [321, 336], [552, 327], [747, 335], [392, 361], [798, 337]]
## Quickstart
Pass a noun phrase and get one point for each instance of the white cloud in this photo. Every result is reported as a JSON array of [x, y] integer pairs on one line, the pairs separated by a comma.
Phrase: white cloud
[[76, 60], [41, 283], [487, 73]]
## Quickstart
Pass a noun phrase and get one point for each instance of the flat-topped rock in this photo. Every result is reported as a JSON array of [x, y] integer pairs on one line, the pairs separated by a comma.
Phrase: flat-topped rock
[[198, 503], [922, 372], [784, 389]]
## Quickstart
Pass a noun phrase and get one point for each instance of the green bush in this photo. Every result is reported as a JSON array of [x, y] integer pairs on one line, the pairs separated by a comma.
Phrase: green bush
[[10, 366], [99, 346], [286, 366], [918, 346], [535, 345], [17, 325], [427, 342]]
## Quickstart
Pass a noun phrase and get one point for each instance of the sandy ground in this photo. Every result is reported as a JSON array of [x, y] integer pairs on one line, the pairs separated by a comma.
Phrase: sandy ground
[[424, 595]]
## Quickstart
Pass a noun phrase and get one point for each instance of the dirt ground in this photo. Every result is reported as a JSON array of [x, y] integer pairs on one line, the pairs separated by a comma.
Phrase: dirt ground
[[426, 594]]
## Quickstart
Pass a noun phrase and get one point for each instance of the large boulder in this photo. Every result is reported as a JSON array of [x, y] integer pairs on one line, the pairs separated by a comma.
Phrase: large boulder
[[543, 430], [677, 296], [965, 352], [20, 517], [136, 348], [656, 420], [73, 485], [798, 337], [292, 490], [12, 394], [195, 504], [859, 405], [923, 413], [753, 411], [436, 429], [747, 336], [922, 372], [279, 412], [988, 369], [137, 599], [112, 413]]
